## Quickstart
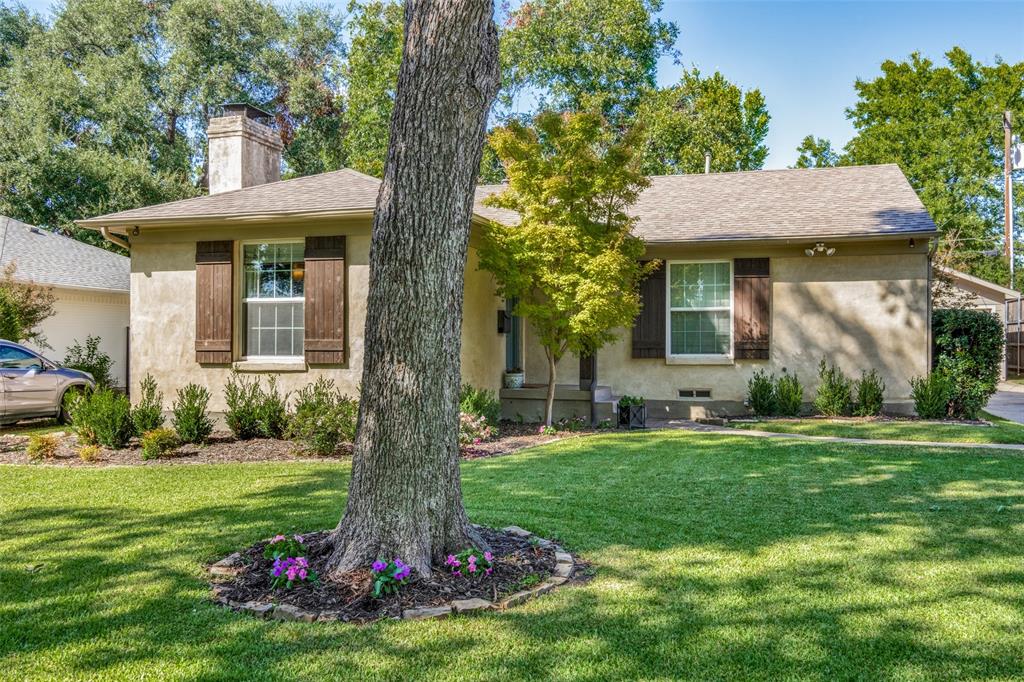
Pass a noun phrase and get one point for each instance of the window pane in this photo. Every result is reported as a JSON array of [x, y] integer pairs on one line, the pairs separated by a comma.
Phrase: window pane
[[699, 285], [274, 328], [271, 269], [699, 333]]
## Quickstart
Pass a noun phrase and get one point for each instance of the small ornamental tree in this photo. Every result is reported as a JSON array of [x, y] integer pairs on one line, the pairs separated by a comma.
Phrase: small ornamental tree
[[572, 260], [23, 306]]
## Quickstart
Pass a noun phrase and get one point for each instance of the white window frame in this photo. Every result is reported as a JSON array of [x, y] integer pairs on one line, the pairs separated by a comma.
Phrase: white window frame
[[697, 357], [246, 299]]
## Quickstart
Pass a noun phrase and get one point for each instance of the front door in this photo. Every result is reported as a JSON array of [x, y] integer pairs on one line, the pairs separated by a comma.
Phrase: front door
[[29, 390]]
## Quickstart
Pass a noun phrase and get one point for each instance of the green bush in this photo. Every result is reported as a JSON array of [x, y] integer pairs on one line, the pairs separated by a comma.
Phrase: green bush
[[252, 411], [789, 395], [190, 420], [89, 358], [761, 393], [969, 353], [42, 446], [148, 413], [480, 402], [834, 391], [324, 418], [869, 391], [102, 416], [158, 442], [931, 395]]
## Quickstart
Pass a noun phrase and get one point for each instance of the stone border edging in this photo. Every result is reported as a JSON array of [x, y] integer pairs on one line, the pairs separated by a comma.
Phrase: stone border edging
[[233, 565]]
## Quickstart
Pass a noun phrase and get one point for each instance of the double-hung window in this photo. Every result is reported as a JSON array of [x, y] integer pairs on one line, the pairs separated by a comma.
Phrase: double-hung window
[[700, 308], [273, 303]]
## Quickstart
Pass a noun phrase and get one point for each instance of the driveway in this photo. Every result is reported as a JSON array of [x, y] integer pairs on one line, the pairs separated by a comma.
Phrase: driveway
[[1008, 404]]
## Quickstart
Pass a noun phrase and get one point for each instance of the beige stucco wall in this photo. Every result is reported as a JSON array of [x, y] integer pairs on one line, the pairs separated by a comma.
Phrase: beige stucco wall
[[865, 307], [163, 310], [79, 313]]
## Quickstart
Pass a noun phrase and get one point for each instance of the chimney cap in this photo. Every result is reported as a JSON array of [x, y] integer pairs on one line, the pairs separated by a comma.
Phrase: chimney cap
[[246, 109]]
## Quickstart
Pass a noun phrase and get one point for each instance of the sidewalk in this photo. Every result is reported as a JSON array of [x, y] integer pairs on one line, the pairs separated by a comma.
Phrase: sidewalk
[[687, 425]]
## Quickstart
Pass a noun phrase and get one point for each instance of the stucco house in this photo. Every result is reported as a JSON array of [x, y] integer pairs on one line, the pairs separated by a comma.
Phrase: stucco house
[[89, 284], [765, 269]]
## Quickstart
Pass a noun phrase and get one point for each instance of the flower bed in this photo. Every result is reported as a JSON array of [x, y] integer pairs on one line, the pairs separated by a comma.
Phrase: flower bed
[[520, 566]]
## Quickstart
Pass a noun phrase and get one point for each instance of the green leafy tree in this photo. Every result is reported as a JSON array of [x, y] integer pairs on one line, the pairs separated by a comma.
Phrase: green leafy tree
[[371, 76], [577, 55], [23, 306], [572, 260], [816, 152], [943, 125], [703, 114]]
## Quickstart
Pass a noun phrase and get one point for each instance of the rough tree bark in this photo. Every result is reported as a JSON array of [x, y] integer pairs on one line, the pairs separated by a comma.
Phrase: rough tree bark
[[405, 497]]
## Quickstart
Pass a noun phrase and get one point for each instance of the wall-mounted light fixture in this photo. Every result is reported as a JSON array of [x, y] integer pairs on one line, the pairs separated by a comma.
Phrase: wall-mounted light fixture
[[135, 231], [912, 243], [820, 248]]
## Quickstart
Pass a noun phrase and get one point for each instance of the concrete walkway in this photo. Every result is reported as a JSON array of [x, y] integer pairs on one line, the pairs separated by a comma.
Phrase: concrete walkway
[[1008, 403], [686, 425]]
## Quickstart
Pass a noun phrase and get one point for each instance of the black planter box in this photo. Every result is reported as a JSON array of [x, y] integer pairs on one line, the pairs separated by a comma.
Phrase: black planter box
[[633, 417]]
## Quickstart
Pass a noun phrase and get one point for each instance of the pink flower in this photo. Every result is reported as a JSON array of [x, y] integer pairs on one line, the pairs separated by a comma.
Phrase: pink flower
[[276, 538], [488, 571], [472, 559], [476, 441], [472, 567], [488, 557]]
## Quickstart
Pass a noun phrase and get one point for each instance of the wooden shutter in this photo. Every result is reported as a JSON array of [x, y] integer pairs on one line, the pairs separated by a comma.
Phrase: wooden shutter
[[649, 326], [214, 297], [325, 300], [752, 296]]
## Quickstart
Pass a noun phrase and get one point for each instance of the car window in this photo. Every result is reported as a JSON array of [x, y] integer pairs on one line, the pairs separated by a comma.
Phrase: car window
[[16, 358]]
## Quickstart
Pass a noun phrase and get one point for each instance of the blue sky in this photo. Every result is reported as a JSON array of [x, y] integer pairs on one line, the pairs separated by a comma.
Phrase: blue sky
[[805, 55]]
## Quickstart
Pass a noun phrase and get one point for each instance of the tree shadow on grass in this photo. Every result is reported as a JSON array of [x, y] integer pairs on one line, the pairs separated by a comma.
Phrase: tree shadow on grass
[[717, 558]]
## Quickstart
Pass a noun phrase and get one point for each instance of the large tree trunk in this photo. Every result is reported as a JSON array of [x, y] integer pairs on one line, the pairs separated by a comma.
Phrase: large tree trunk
[[405, 498]]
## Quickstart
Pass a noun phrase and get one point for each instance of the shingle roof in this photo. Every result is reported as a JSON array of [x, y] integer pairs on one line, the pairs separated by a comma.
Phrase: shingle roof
[[849, 201], [48, 258]]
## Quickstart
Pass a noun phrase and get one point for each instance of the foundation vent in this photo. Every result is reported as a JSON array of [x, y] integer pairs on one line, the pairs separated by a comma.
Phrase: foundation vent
[[695, 393]]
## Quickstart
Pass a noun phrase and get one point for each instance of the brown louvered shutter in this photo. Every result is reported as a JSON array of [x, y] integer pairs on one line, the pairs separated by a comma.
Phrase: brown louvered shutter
[[752, 298], [649, 326], [325, 300], [214, 296]]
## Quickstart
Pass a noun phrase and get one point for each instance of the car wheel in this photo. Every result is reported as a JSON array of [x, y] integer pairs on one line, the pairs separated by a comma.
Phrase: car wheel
[[65, 401]]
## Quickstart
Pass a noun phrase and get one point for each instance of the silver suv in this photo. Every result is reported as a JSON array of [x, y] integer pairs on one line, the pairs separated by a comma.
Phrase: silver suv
[[34, 386]]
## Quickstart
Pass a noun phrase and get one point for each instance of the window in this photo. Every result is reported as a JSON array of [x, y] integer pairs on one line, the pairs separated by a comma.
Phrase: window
[[274, 307], [15, 358], [700, 308]]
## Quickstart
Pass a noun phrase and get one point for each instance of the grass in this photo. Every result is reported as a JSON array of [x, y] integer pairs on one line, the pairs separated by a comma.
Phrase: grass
[[715, 557], [1001, 431], [34, 427]]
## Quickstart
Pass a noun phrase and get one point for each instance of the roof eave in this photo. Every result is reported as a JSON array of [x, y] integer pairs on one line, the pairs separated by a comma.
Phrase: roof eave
[[802, 239]]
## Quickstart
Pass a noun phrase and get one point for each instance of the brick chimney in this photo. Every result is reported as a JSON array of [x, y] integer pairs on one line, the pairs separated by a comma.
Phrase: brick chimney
[[244, 150]]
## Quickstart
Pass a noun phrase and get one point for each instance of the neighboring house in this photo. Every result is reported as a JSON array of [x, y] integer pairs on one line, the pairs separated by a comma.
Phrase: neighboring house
[[771, 270], [960, 290], [90, 286]]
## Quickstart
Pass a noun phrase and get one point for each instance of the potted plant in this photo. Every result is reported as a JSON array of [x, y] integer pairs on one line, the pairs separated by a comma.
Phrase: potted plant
[[514, 378], [632, 412]]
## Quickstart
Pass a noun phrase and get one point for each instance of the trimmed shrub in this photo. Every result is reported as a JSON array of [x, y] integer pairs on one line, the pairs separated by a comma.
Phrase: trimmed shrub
[[480, 402], [190, 420], [834, 391], [969, 352], [102, 417], [761, 393], [473, 429], [789, 395], [869, 391], [42, 446], [324, 418], [158, 442], [243, 400], [89, 453], [148, 414], [931, 395], [272, 413], [89, 358]]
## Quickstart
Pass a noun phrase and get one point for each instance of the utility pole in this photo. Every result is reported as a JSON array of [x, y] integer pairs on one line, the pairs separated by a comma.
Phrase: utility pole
[[1008, 189]]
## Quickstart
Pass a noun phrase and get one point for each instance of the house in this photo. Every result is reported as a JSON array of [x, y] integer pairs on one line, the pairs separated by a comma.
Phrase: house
[[955, 289], [771, 270], [90, 287]]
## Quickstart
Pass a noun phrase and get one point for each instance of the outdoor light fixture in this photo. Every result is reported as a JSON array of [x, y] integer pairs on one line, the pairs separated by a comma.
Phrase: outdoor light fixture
[[820, 248], [135, 231], [912, 244]]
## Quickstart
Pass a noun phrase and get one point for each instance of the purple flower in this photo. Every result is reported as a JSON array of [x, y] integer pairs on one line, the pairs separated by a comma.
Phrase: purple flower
[[488, 571], [276, 538], [472, 568], [451, 561], [488, 557], [456, 572], [379, 566], [472, 559]]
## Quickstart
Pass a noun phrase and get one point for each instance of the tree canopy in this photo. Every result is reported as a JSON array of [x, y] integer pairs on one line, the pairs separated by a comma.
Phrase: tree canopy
[[572, 260], [943, 125], [816, 152]]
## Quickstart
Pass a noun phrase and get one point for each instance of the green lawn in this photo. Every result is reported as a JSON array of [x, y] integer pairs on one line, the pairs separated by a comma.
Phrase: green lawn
[[1001, 431], [716, 557]]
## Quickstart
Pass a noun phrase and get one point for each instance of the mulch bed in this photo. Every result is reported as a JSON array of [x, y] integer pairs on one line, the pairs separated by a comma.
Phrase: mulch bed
[[223, 448], [518, 563]]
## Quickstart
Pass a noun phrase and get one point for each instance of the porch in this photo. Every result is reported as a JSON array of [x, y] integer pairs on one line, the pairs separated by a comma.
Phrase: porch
[[527, 403]]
